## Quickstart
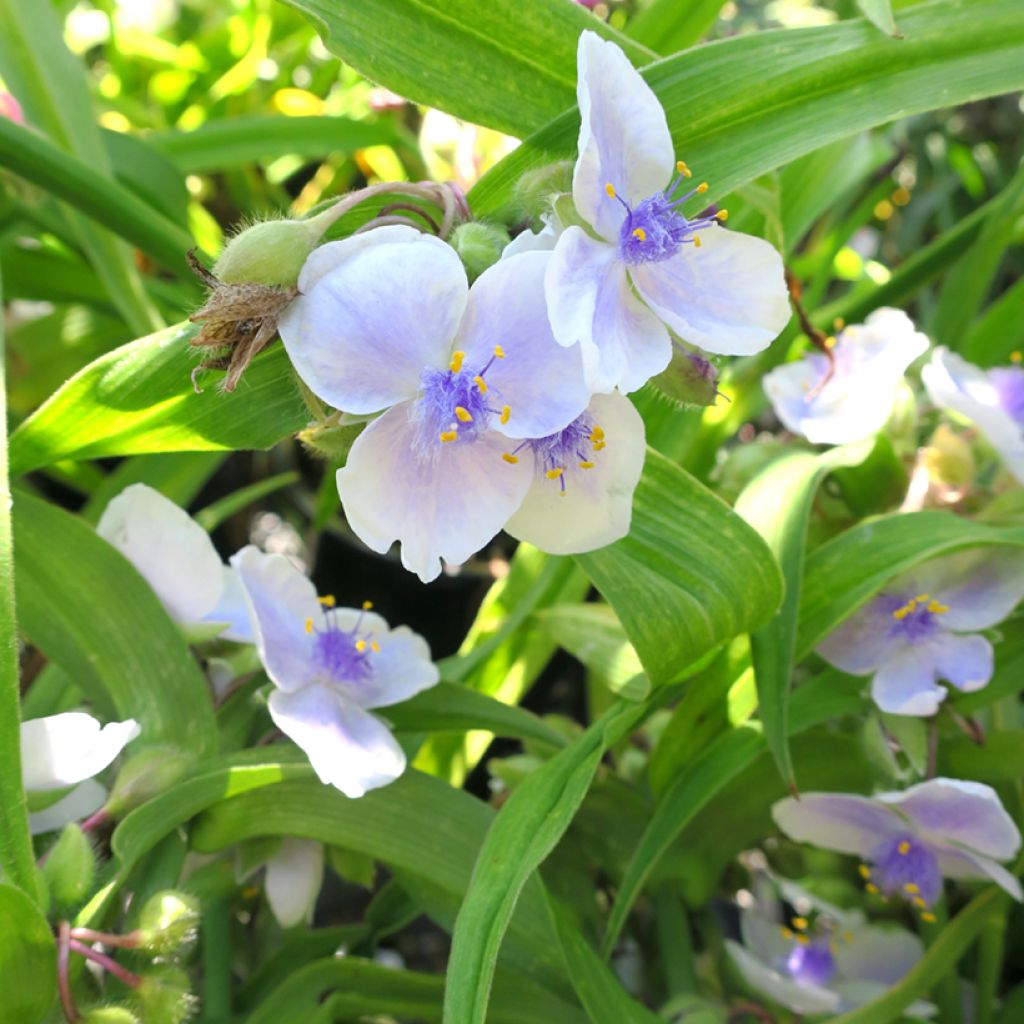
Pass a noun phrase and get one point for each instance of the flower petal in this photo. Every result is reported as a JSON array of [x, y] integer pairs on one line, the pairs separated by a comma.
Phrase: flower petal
[[970, 813], [541, 381], [531, 241], [233, 610], [624, 138], [837, 821], [172, 552], [956, 862], [905, 684], [729, 296], [775, 986], [865, 640], [965, 661], [348, 747], [293, 879], [62, 750], [84, 800], [878, 954], [596, 506], [280, 600], [375, 316], [980, 588], [448, 506]]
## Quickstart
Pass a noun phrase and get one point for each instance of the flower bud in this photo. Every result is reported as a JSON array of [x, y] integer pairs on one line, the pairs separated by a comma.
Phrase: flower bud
[[70, 868], [690, 379], [332, 441], [534, 190], [110, 1015], [479, 245], [949, 459], [271, 253], [168, 923], [146, 775], [163, 995]]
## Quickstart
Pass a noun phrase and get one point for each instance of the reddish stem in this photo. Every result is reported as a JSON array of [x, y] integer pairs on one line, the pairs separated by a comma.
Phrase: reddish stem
[[94, 820], [109, 965], [129, 941], [67, 1000]]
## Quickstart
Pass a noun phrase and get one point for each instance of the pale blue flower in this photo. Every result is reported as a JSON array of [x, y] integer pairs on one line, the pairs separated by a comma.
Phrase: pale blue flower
[[329, 667], [643, 267], [923, 627]]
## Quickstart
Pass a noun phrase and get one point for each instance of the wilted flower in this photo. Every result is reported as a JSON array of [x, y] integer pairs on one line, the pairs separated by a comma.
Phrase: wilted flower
[[329, 667], [923, 627], [822, 959], [992, 399], [650, 268], [178, 560], [293, 879], [910, 841], [68, 750], [852, 396], [386, 321]]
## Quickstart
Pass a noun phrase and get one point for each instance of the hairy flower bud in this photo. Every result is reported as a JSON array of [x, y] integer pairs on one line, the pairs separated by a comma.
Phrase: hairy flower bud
[[70, 868], [163, 995], [534, 190], [331, 440], [110, 1015], [145, 776], [479, 245], [168, 923], [690, 379], [271, 253]]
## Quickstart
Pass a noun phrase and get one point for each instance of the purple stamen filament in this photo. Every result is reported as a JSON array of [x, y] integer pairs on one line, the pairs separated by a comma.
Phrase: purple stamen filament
[[343, 655]]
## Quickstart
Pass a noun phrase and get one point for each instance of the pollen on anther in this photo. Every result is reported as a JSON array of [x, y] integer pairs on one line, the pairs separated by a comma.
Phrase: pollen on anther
[[697, 242], [327, 600], [702, 187], [800, 923], [903, 849], [609, 190], [865, 871], [683, 169], [367, 605], [912, 888], [449, 435], [722, 215], [928, 917], [596, 433], [456, 363], [598, 445], [586, 465], [309, 625], [499, 352], [375, 647], [463, 414], [554, 474], [360, 646], [506, 412], [937, 607], [872, 888], [510, 458], [481, 384], [640, 235]]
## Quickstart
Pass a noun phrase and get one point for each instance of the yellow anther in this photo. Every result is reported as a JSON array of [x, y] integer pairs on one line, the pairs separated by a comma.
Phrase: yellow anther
[[903, 849], [449, 435], [902, 613], [510, 458], [800, 923], [912, 888], [309, 625], [838, 324], [375, 647], [327, 600], [697, 243], [463, 414], [506, 411], [456, 363], [1016, 357], [847, 936], [586, 465], [683, 169], [499, 352], [481, 384], [609, 190], [922, 598], [937, 607], [360, 646], [640, 234], [554, 474], [367, 605], [901, 196], [702, 187], [920, 901], [928, 917], [802, 939], [785, 933], [596, 434], [865, 871], [598, 445], [830, 341], [722, 215], [872, 888]]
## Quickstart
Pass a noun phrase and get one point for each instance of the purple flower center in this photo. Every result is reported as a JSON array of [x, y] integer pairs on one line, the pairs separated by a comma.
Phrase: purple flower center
[[1009, 384], [914, 618], [905, 865], [559, 457], [811, 963], [343, 655]]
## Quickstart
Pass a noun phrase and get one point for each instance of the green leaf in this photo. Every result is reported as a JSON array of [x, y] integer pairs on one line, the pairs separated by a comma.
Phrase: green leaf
[[87, 608], [28, 960], [777, 503], [668, 26], [690, 575], [502, 64], [879, 13], [139, 398], [999, 331]]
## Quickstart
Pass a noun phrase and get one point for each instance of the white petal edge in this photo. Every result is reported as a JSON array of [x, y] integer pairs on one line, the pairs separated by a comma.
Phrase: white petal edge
[[62, 750], [293, 879], [84, 800]]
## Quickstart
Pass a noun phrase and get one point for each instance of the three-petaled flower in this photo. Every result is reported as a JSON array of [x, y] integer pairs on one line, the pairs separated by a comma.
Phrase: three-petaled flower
[[922, 628], [645, 267]]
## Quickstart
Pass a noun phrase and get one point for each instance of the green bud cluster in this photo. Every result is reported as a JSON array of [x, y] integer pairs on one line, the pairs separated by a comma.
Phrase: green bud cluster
[[163, 995], [479, 245], [168, 923], [70, 868]]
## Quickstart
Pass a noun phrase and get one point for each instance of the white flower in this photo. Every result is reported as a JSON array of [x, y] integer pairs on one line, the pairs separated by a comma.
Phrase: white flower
[[293, 879], [857, 400], [645, 268], [176, 557]]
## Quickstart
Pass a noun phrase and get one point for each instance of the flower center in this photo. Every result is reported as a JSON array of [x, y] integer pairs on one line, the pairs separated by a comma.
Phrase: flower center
[[811, 964], [655, 229], [907, 867], [560, 456], [1009, 384], [342, 655], [917, 617]]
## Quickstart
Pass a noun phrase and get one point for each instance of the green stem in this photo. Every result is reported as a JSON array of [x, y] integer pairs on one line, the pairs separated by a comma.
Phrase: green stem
[[675, 946], [215, 930], [991, 946], [947, 989], [16, 856]]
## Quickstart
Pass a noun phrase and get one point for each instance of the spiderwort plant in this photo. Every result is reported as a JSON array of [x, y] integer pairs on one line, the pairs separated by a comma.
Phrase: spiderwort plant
[[909, 841], [851, 396], [329, 667], [642, 267], [924, 626]]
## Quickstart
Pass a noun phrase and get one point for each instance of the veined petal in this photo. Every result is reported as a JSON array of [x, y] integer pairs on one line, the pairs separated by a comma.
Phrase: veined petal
[[811, 999], [85, 799], [837, 821], [729, 296], [348, 747], [172, 552], [293, 879], [281, 600], [445, 504], [864, 641], [374, 317], [540, 381], [62, 750], [233, 609], [596, 506], [878, 954], [624, 138], [905, 684], [979, 588]]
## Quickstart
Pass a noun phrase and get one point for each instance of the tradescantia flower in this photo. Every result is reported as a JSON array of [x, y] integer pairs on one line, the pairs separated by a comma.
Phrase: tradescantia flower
[[177, 559], [910, 841], [821, 959], [293, 879], [992, 399], [642, 267], [923, 627], [386, 321], [68, 750], [329, 667], [851, 397]]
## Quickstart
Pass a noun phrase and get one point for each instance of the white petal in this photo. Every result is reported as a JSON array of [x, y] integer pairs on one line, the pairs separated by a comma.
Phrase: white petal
[[865, 641], [964, 661], [624, 138], [233, 610], [837, 821], [980, 588], [168, 547], [540, 381], [905, 684], [531, 241], [280, 599], [375, 316], [64, 749], [729, 296], [85, 799], [957, 862], [294, 876], [879, 954], [448, 506], [348, 747], [779, 988], [596, 506]]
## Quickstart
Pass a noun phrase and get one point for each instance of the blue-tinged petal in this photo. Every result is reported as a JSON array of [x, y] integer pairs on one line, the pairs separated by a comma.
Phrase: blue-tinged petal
[[62, 750], [293, 879], [233, 610], [168, 547], [878, 954], [837, 821], [865, 640], [905, 684], [958, 862], [964, 661], [348, 747], [969, 813], [445, 503], [540, 381], [859, 993], [281, 600], [84, 800], [729, 296], [624, 138], [978, 588], [374, 317], [765, 980], [596, 505], [532, 241]]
